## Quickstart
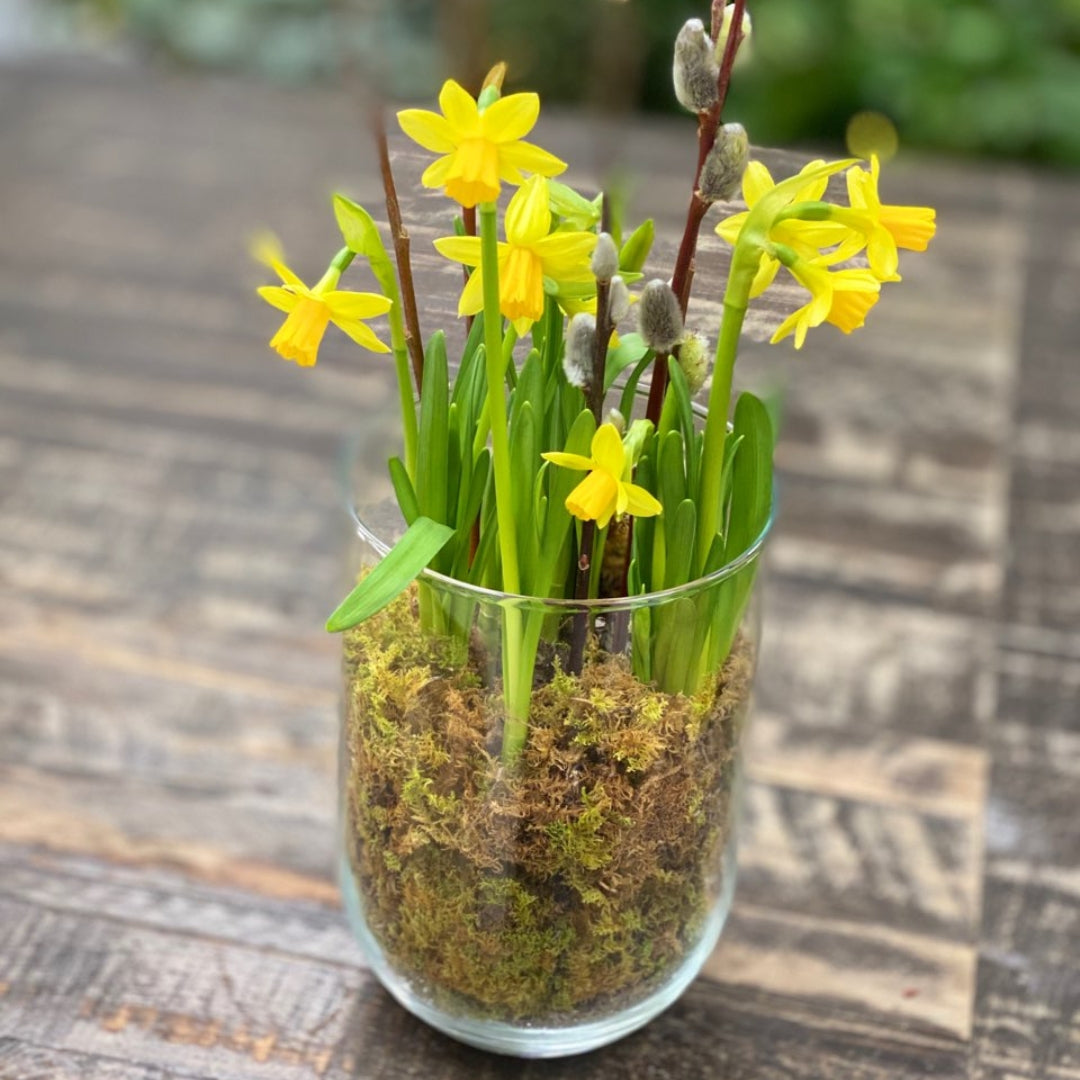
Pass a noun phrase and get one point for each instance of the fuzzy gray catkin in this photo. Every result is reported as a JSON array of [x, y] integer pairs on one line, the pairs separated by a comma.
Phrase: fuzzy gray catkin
[[605, 258], [725, 164], [618, 300], [660, 317], [580, 349], [695, 71]]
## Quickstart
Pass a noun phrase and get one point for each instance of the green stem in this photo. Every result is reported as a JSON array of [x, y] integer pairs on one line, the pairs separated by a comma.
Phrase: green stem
[[516, 686], [744, 263]]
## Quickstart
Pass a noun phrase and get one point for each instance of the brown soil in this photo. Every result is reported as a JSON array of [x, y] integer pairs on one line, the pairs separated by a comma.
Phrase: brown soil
[[569, 884]]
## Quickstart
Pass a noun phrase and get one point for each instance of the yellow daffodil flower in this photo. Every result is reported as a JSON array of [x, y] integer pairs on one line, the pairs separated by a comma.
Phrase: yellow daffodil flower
[[311, 310], [804, 237], [606, 491], [480, 148], [531, 253], [840, 297], [886, 227]]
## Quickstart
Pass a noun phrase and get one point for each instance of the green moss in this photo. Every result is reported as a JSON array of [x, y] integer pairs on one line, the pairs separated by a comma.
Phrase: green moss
[[581, 877]]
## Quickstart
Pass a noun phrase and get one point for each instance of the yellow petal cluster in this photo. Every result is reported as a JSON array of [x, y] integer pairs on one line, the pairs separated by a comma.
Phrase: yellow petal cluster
[[311, 310], [530, 254], [810, 237], [480, 148], [606, 491]]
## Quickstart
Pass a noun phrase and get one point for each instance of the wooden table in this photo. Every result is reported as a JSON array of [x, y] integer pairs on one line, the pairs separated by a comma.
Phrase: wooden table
[[171, 539]]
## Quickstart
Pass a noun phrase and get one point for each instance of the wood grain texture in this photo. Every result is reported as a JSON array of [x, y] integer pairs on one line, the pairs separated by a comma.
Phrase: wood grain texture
[[171, 539]]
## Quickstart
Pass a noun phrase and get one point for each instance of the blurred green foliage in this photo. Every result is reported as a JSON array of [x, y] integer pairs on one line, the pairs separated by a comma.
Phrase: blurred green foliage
[[997, 77]]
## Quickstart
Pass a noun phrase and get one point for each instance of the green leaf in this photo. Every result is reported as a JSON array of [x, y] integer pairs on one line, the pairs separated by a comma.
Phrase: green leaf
[[636, 250], [423, 540], [403, 489], [681, 544], [630, 350], [751, 475], [432, 459], [626, 402]]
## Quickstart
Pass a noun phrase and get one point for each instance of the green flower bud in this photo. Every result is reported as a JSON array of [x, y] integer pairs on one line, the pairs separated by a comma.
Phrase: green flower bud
[[580, 349], [723, 170], [618, 300], [660, 317], [605, 258], [695, 71], [694, 360]]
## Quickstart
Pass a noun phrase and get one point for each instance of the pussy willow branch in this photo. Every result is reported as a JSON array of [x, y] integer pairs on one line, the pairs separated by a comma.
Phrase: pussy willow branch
[[682, 279], [400, 237]]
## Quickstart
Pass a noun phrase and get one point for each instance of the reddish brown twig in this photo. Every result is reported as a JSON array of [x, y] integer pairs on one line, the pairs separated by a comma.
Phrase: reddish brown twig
[[468, 219], [682, 279], [400, 236]]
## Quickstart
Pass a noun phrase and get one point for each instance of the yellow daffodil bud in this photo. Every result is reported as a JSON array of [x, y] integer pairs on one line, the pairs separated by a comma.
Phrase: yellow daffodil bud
[[605, 258], [619, 300], [580, 349], [695, 71], [660, 317], [722, 173], [694, 360]]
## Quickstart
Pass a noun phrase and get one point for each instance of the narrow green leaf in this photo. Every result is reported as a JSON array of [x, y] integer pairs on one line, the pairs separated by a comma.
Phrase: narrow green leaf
[[751, 478], [636, 250], [423, 540], [626, 402], [432, 459], [629, 351], [681, 544], [403, 489]]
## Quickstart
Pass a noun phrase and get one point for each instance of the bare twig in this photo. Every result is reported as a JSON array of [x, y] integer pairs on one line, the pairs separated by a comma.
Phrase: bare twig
[[400, 236]]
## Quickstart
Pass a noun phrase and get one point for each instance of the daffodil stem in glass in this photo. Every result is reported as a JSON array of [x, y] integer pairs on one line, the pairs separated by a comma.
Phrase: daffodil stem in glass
[[516, 685], [736, 301]]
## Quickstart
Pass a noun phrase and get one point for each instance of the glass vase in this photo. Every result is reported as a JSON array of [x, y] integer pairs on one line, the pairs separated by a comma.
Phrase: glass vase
[[544, 884]]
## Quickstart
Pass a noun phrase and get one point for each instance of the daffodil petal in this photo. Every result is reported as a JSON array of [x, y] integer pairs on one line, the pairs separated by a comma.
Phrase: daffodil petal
[[510, 118], [641, 503], [471, 300], [565, 255], [362, 334], [459, 108], [462, 249], [436, 174], [765, 276], [607, 450], [530, 158], [429, 129], [528, 217], [786, 328], [568, 461], [356, 305], [757, 180], [276, 296], [730, 227]]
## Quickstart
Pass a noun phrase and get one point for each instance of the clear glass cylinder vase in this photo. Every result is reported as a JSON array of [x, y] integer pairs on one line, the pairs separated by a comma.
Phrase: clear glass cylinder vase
[[542, 876]]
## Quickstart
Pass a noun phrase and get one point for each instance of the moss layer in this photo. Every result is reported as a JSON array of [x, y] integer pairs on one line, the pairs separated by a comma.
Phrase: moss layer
[[569, 885]]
